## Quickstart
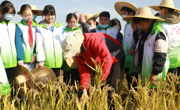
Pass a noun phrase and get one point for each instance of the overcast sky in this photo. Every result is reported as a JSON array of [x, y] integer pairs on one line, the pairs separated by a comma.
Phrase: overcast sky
[[63, 7]]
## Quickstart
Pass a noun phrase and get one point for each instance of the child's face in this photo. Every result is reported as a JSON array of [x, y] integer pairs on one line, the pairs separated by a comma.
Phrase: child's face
[[10, 11], [27, 14], [162, 12], [145, 25], [117, 25], [50, 18], [91, 23], [124, 12], [72, 22], [104, 20]]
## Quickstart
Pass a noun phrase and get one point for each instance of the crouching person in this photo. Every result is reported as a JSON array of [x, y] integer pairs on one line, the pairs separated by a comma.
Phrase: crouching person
[[150, 58], [101, 47]]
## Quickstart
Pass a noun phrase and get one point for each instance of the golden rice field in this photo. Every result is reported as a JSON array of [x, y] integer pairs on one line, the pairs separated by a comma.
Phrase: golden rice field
[[58, 96]]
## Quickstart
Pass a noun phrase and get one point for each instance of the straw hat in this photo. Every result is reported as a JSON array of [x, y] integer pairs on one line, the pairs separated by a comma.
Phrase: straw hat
[[34, 8], [72, 63], [165, 3], [90, 16], [119, 5], [143, 12], [72, 44], [23, 76], [43, 76]]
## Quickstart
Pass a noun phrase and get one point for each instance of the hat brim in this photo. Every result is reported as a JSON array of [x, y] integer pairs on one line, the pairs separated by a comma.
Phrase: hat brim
[[119, 5], [44, 75], [156, 7], [94, 16], [130, 18], [26, 75], [76, 47], [39, 12]]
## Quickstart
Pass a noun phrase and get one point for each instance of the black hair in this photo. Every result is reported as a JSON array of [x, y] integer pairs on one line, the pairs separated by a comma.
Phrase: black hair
[[137, 20], [24, 7], [129, 10], [97, 23], [49, 9], [1, 12], [4, 3], [169, 9], [114, 22], [7, 5], [70, 16], [104, 14], [157, 14], [94, 19]]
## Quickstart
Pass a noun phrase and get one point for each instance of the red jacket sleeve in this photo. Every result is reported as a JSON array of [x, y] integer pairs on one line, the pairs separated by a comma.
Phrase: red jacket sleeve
[[99, 47], [84, 71]]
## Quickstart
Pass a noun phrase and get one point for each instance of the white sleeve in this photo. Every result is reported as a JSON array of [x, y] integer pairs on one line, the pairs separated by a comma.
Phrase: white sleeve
[[39, 47]]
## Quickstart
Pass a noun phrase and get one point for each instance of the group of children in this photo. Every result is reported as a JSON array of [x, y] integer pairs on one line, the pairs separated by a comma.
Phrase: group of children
[[148, 48]]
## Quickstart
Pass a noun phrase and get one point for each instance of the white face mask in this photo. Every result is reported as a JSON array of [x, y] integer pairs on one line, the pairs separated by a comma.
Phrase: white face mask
[[91, 27], [124, 16]]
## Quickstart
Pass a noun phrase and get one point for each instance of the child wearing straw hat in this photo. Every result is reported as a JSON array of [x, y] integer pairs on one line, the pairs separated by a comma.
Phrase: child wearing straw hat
[[91, 20], [7, 45], [105, 27], [150, 58], [129, 42], [36, 12], [25, 38], [171, 27], [48, 41]]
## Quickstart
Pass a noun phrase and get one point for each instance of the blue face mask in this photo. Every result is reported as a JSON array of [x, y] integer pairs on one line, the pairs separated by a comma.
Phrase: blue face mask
[[24, 20], [34, 17], [160, 15], [8, 16], [124, 16], [104, 26]]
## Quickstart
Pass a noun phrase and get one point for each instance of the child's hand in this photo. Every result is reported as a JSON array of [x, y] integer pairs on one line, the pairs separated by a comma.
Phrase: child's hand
[[153, 78], [41, 65], [33, 59], [20, 63], [82, 19], [134, 26]]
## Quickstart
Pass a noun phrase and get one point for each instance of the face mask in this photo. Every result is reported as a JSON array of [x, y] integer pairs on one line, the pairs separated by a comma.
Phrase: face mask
[[124, 16], [25, 19], [104, 26], [91, 27], [160, 15], [8, 16], [34, 17]]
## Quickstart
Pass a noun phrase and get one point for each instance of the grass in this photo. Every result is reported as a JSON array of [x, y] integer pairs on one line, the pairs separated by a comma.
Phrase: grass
[[58, 96]]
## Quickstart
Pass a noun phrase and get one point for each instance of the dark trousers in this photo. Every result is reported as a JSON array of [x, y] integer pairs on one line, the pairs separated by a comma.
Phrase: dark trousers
[[175, 71], [116, 73], [56, 71], [71, 76], [10, 74]]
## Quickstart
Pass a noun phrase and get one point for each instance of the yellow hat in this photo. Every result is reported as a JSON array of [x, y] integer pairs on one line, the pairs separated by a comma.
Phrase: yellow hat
[[43, 75], [34, 8], [143, 12], [23, 76], [119, 5], [165, 3], [90, 16]]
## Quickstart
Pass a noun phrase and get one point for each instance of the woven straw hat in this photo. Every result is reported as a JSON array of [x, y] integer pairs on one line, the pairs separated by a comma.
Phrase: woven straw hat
[[44, 75], [165, 3], [90, 16], [72, 44], [143, 12], [34, 8], [23, 76], [119, 5]]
